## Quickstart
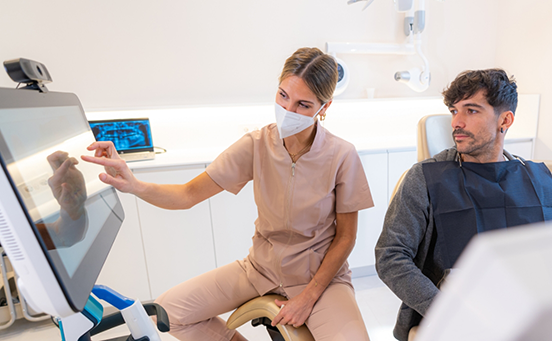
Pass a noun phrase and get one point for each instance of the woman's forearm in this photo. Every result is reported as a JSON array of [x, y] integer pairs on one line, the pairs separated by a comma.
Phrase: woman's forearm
[[169, 197], [181, 196]]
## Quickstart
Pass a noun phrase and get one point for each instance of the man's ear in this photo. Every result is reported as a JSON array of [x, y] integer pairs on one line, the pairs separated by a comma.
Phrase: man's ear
[[506, 120]]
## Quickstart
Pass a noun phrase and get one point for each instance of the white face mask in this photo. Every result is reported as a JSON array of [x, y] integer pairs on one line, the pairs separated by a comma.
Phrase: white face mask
[[290, 123]]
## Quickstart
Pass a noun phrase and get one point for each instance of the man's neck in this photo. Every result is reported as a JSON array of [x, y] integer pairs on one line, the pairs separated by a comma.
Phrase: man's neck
[[484, 158]]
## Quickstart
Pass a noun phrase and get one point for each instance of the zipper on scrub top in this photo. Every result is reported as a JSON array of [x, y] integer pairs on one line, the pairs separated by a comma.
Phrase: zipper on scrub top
[[286, 220]]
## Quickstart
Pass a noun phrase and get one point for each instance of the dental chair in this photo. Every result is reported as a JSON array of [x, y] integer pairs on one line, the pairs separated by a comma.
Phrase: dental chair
[[439, 137], [261, 311]]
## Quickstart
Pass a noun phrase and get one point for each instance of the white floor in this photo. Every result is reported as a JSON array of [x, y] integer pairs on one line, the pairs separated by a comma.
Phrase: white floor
[[378, 306]]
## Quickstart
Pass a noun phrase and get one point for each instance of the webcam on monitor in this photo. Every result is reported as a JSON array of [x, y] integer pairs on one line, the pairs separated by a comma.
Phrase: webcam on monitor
[[29, 72]]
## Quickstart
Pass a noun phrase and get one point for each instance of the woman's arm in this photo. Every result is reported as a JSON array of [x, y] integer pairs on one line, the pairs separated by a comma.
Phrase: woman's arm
[[298, 309], [173, 197]]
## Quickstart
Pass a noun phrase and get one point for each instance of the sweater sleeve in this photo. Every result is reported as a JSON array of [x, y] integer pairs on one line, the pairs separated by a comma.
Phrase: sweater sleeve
[[399, 251]]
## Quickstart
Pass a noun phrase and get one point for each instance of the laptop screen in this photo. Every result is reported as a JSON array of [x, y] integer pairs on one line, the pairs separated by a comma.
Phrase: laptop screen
[[128, 135]]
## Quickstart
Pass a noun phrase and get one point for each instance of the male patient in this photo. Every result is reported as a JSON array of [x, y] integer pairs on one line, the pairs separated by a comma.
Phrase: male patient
[[444, 201]]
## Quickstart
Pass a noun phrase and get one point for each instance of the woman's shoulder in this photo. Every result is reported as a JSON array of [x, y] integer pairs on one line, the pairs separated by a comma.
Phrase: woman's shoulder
[[339, 142], [269, 131], [260, 136]]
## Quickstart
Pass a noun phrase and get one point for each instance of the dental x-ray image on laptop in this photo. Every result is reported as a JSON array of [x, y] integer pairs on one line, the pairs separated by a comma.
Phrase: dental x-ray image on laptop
[[131, 137]]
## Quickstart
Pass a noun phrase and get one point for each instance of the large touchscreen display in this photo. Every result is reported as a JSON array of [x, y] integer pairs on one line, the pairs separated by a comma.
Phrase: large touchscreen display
[[63, 195], [74, 217]]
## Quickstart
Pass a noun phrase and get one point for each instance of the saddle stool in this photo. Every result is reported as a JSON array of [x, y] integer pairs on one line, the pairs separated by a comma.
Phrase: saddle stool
[[264, 306]]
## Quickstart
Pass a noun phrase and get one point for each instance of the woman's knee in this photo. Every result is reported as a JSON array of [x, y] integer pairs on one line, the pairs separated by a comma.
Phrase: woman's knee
[[208, 295], [336, 315]]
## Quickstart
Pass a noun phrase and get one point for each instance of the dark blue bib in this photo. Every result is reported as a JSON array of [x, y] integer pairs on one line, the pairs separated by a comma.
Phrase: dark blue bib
[[475, 197]]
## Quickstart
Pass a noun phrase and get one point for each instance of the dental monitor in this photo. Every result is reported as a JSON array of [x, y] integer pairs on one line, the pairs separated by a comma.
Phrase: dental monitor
[[499, 291], [58, 221]]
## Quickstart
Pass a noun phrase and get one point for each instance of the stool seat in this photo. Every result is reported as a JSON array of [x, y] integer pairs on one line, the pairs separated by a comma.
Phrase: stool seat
[[264, 306]]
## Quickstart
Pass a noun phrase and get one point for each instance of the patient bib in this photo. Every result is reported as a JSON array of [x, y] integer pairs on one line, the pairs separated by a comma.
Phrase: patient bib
[[476, 197]]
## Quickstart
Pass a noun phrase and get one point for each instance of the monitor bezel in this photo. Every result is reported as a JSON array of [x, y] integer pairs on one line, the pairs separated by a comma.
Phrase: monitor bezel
[[75, 289]]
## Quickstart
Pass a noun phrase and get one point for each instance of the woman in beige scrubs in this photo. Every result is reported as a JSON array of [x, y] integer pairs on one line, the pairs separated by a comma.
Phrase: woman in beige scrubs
[[309, 186]]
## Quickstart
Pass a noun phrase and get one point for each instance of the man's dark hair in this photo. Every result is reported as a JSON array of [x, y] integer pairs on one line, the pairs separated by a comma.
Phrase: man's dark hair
[[500, 90]]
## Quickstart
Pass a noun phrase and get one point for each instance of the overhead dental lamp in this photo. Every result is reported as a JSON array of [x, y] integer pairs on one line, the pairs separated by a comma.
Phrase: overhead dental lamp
[[417, 78]]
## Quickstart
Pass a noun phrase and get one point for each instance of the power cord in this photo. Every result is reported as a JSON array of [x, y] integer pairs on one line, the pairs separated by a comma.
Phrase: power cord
[[163, 150]]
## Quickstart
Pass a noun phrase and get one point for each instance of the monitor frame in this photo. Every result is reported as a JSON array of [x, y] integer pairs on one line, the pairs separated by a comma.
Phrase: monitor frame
[[43, 281]]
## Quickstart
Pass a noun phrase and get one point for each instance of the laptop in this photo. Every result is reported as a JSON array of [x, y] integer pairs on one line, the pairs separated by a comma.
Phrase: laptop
[[131, 137]]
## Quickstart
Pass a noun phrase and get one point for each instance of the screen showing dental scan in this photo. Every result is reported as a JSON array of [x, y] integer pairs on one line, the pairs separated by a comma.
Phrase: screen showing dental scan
[[127, 135], [61, 220]]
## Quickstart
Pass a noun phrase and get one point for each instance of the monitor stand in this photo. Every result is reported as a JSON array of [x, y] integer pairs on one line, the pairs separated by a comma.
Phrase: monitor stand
[[81, 326]]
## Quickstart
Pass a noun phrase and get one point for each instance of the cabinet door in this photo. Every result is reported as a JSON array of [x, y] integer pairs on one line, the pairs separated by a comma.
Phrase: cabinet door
[[370, 220], [178, 243], [233, 224], [523, 149], [399, 162], [125, 267]]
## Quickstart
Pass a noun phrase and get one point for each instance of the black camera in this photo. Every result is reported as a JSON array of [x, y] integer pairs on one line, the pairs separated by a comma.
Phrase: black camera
[[27, 71]]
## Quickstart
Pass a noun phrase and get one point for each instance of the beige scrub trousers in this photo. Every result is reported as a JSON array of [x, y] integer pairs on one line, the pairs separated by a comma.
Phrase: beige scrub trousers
[[297, 205]]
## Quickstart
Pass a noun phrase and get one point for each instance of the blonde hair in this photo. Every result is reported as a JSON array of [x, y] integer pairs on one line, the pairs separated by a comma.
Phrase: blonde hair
[[317, 69]]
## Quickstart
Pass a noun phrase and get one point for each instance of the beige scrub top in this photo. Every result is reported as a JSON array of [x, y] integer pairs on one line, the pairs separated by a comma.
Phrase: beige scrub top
[[296, 202]]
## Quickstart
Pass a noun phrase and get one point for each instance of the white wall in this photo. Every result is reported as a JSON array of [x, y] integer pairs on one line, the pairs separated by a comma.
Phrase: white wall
[[138, 53], [525, 50]]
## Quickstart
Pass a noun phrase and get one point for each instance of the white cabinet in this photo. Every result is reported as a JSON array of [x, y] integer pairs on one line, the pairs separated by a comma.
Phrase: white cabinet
[[233, 218], [178, 244], [125, 267], [399, 162], [383, 171], [520, 148], [370, 220]]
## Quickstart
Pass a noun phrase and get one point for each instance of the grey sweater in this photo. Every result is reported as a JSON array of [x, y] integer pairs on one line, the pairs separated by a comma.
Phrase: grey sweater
[[408, 260]]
